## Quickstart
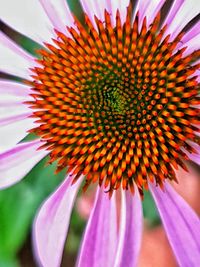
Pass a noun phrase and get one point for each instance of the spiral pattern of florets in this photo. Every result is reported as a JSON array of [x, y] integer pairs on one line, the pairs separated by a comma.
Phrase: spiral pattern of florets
[[117, 104]]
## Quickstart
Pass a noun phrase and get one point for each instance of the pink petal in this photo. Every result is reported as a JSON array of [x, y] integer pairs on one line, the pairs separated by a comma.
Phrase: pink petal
[[89, 7], [52, 223], [120, 5], [175, 7], [12, 106], [18, 161], [14, 123], [14, 60], [14, 90], [28, 18], [12, 133], [58, 13], [100, 239], [153, 9], [149, 9], [194, 31], [131, 226], [98, 7], [185, 12], [193, 156], [192, 45], [14, 118], [181, 224]]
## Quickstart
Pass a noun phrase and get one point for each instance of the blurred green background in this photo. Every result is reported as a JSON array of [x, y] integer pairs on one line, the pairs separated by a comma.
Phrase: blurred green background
[[19, 204]]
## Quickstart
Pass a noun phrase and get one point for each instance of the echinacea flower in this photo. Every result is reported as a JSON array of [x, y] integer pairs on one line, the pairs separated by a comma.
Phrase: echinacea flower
[[115, 101]]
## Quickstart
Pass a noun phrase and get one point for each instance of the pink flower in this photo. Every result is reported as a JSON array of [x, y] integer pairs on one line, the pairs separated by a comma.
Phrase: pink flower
[[116, 101]]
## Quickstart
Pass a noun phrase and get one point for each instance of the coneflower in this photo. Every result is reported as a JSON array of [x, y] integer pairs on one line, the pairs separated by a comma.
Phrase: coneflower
[[115, 101]]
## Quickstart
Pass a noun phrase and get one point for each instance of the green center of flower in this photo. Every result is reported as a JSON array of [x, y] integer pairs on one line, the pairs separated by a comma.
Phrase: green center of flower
[[117, 104]]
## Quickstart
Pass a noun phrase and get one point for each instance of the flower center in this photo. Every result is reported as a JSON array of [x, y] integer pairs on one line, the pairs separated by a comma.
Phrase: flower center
[[117, 104]]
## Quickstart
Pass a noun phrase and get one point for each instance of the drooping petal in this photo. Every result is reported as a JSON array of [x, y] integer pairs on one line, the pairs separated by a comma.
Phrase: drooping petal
[[52, 223], [18, 161], [28, 18], [100, 239], [59, 13], [13, 59], [130, 235], [181, 224], [182, 12]]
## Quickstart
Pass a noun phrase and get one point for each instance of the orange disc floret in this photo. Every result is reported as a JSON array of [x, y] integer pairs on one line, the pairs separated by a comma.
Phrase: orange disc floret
[[117, 104]]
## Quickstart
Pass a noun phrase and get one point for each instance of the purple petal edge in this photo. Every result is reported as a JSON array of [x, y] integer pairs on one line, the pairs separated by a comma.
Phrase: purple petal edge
[[181, 223], [52, 222], [131, 227], [100, 238]]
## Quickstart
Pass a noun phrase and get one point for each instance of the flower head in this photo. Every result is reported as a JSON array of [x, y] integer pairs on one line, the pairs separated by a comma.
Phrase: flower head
[[116, 101]]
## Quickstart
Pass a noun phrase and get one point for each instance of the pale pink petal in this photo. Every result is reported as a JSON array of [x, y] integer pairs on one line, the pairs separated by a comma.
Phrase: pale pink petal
[[14, 60], [98, 7], [181, 13], [13, 118], [192, 45], [176, 5], [193, 156], [12, 98], [120, 5], [181, 224], [194, 31], [149, 9], [11, 107], [14, 89], [153, 9], [18, 161], [52, 223], [100, 240], [12, 133], [59, 13], [90, 9], [131, 226], [28, 18], [14, 121], [141, 8]]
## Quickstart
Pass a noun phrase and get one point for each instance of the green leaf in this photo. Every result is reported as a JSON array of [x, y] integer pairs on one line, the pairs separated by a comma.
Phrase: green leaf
[[76, 9], [77, 225], [19, 204], [149, 210], [9, 262]]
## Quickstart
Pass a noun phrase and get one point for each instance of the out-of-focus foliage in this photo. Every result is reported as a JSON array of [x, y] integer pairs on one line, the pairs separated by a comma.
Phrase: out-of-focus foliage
[[18, 206], [149, 210], [75, 233], [76, 8]]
